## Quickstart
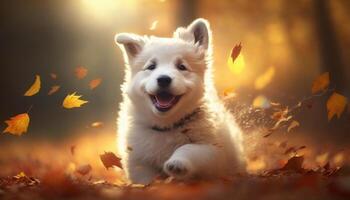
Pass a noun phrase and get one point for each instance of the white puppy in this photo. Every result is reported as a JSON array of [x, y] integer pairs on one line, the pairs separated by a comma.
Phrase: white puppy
[[171, 119]]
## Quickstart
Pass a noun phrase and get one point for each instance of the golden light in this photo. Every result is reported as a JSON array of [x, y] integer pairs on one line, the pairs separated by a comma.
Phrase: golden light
[[238, 66], [264, 79], [261, 102]]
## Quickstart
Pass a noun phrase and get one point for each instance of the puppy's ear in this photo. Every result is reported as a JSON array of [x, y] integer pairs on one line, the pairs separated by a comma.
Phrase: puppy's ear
[[198, 32], [131, 44]]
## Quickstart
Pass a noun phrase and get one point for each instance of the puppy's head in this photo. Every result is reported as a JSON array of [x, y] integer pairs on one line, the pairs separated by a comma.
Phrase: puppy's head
[[166, 75]]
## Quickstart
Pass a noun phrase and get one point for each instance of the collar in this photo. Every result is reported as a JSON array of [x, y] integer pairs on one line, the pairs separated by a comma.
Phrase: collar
[[177, 124]]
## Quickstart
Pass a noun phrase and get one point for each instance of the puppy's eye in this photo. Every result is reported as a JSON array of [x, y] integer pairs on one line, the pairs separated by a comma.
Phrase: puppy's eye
[[182, 67], [151, 67]]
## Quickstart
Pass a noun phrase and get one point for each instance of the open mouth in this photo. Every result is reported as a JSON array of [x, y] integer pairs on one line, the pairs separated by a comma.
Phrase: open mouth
[[164, 101]]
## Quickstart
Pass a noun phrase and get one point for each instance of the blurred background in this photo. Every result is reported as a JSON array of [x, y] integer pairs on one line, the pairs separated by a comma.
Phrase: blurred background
[[292, 41]]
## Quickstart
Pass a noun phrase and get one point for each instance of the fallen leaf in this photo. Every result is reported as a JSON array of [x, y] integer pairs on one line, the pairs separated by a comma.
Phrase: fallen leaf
[[96, 124], [236, 50], [18, 124], [264, 79], [35, 88], [109, 159], [94, 83], [320, 83], [293, 125], [53, 89], [80, 72], [73, 101], [153, 25], [53, 76], [84, 169], [336, 105]]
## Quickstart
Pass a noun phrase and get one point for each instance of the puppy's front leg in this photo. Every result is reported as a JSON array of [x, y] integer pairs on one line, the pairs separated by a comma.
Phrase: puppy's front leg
[[192, 159], [140, 174]]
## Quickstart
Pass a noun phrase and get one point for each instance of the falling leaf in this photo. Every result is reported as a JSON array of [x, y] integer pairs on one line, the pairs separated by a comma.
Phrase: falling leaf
[[336, 105], [53, 89], [236, 50], [261, 102], [18, 124], [34, 88], [129, 148], [72, 149], [94, 83], [320, 83], [264, 79], [84, 169], [293, 125], [73, 101], [238, 66], [53, 76], [96, 124], [153, 25], [80, 72], [109, 159]]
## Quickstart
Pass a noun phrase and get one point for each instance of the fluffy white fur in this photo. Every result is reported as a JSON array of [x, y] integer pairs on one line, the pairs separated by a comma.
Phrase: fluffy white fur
[[209, 145]]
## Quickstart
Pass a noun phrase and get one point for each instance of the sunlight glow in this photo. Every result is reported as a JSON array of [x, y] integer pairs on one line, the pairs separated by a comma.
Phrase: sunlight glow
[[238, 66]]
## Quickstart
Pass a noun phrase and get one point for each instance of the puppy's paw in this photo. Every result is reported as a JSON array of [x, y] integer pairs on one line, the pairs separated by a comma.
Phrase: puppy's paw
[[178, 168]]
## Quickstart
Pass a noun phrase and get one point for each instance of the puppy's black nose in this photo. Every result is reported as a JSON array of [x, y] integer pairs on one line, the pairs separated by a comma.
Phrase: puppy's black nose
[[163, 81]]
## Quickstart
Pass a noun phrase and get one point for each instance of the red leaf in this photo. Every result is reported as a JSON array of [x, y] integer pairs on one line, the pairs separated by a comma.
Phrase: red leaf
[[109, 159], [236, 50]]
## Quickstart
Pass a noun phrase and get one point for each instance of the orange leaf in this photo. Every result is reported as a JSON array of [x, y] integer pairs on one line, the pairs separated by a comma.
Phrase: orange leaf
[[73, 101], [34, 88], [320, 83], [236, 50], [53, 89], [109, 159], [94, 83], [80, 72], [336, 105], [18, 124], [293, 125]]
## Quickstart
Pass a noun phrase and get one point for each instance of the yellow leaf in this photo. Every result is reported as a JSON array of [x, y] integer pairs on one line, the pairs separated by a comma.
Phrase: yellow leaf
[[264, 79], [293, 125], [153, 25], [94, 83], [53, 89], [73, 101], [336, 105], [229, 91], [320, 83], [18, 124], [34, 88]]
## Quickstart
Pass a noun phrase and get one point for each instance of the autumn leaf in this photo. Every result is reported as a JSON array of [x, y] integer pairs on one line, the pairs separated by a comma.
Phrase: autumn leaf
[[109, 159], [80, 72], [153, 25], [236, 50], [336, 105], [73, 101], [320, 83], [293, 125], [53, 89], [84, 169], [34, 88], [53, 76], [229, 91], [94, 83], [264, 79], [18, 124]]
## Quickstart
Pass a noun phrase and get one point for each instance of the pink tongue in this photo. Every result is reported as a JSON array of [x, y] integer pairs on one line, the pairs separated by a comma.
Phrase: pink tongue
[[164, 102]]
